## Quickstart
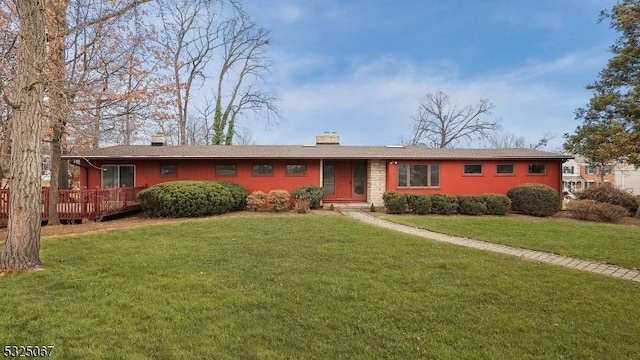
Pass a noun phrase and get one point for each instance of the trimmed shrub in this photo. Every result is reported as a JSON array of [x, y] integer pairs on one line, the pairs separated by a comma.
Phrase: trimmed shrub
[[471, 205], [312, 193], [256, 200], [239, 194], [534, 199], [497, 204], [611, 195], [301, 205], [444, 204], [418, 203], [186, 199], [396, 203], [278, 200], [591, 210]]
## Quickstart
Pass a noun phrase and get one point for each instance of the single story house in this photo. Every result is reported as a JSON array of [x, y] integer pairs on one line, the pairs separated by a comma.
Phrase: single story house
[[347, 173]]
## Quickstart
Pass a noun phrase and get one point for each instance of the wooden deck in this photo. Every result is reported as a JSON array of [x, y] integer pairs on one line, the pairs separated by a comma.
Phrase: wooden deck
[[93, 204]]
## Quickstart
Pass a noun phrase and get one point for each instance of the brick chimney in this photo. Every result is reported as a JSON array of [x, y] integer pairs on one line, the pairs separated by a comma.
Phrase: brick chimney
[[158, 139], [328, 138]]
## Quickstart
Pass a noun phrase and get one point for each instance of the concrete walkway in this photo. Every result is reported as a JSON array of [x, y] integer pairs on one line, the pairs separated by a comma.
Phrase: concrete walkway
[[578, 264]]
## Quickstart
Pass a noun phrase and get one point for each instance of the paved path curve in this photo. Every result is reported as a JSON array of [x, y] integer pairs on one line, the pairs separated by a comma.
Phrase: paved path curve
[[579, 264]]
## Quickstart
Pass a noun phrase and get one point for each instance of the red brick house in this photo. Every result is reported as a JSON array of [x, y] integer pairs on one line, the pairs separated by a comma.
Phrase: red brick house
[[347, 173]]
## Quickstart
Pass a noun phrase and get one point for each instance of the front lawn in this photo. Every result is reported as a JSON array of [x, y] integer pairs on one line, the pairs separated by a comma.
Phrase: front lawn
[[608, 243], [307, 286]]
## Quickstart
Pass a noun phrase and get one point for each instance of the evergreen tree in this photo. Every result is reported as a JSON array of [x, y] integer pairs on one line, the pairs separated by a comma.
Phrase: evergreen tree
[[611, 121]]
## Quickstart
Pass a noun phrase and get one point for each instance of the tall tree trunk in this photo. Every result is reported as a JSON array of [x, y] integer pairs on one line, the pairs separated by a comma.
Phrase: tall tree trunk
[[58, 107], [98, 119], [21, 249], [54, 184], [63, 179], [231, 131]]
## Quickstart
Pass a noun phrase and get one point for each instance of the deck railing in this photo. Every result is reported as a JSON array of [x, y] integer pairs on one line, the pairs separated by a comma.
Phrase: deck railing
[[93, 204]]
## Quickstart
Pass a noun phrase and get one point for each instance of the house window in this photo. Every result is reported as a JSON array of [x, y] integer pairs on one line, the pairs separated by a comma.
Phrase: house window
[[296, 170], [329, 179], [505, 169], [262, 170], [168, 170], [607, 169], [537, 169], [226, 170], [114, 176], [418, 175], [473, 169], [567, 170], [591, 170]]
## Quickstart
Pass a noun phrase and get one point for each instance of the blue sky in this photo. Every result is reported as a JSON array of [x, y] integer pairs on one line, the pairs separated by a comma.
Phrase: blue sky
[[362, 67]]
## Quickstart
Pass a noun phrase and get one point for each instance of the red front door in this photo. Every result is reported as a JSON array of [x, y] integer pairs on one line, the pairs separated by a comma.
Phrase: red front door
[[345, 180]]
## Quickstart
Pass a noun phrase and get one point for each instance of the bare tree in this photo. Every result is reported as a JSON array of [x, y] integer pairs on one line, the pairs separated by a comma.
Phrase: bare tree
[[243, 136], [187, 39], [243, 67], [509, 140], [62, 89], [441, 124], [199, 127], [112, 78], [214, 39]]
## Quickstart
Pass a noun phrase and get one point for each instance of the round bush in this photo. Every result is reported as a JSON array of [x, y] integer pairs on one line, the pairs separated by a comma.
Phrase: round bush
[[186, 199], [239, 194], [278, 200], [534, 199], [497, 204], [418, 203], [471, 205], [444, 204], [256, 200], [312, 193], [610, 195], [395, 203], [591, 210]]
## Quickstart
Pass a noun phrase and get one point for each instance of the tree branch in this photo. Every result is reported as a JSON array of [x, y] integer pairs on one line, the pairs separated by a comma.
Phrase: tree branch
[[133, 4]]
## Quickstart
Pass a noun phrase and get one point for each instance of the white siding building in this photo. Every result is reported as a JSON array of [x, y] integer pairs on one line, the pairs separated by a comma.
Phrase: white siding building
[[627, 177]]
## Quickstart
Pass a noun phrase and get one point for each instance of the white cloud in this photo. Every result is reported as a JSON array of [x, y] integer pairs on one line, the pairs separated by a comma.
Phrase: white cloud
[[290, 12], [518, 18], [374, 102]]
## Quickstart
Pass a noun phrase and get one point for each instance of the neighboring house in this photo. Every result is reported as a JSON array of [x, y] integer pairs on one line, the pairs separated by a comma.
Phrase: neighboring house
[[627, 177], [578, 174], [572, 181], [347, 173], [592, 173]]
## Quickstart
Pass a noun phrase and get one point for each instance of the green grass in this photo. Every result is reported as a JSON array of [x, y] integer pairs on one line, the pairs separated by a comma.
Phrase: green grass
[[608, 243], [306, 287]]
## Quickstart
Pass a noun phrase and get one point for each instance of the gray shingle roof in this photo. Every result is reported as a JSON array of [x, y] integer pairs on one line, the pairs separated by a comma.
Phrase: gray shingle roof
[[306, 152]]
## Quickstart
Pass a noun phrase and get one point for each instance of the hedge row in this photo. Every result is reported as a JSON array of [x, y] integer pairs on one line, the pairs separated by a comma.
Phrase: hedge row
[[493, 204], [534, 199], [192, 198], [303, 199]]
